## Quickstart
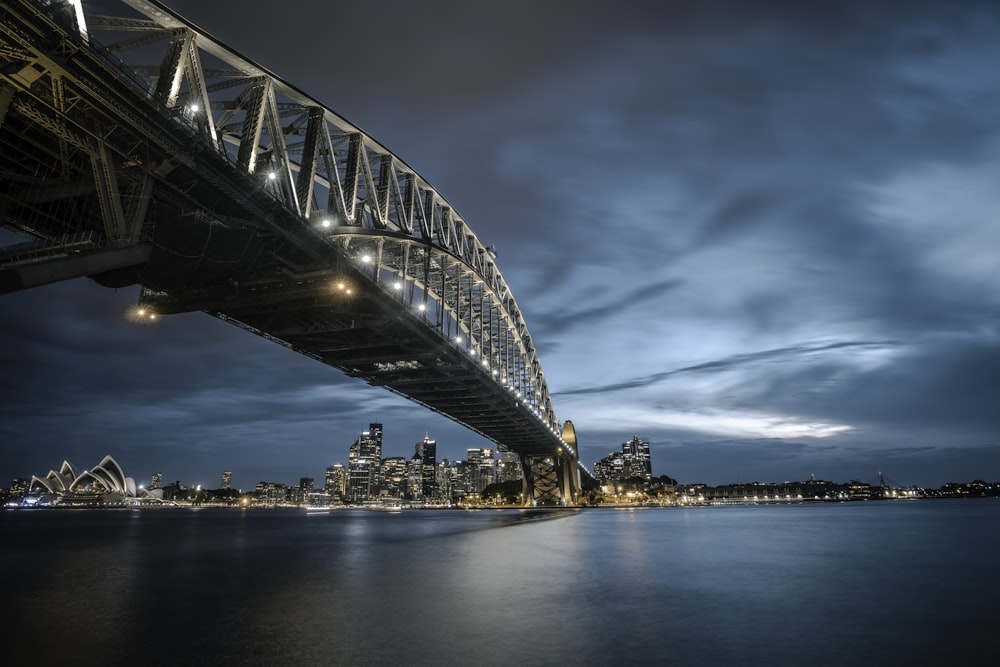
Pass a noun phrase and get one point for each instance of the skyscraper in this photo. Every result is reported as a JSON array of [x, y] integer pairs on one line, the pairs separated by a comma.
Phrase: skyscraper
[[335, 484], [365, 465], [637, 461], [426, 451], [481, 468], [227, 479], [632, 461], [395, 473], [509, 467]]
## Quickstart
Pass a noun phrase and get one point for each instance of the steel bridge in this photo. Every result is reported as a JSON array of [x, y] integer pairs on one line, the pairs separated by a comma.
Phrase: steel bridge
[[137, 149]]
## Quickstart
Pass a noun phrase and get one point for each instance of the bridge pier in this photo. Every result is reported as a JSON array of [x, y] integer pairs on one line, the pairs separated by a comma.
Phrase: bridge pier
[[552, 480]]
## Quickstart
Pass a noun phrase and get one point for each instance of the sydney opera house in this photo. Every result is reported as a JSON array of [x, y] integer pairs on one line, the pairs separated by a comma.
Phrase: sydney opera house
[[104, 485]]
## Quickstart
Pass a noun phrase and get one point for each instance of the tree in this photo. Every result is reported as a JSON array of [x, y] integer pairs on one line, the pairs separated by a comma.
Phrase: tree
[[506, 493]]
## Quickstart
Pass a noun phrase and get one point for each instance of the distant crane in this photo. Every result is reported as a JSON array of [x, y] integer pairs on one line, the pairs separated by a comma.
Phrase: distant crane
[[888, 488]]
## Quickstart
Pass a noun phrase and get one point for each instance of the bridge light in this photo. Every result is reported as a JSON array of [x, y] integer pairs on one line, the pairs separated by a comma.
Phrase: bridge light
[[422, 307], [271, 175], [472, 352], [140, 315], [486, 363], [397, 286], [367, 259], [326, 223], [194, 108], [458, 339]]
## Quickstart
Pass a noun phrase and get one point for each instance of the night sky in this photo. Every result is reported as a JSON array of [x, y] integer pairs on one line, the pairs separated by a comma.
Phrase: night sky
[[762, 236]]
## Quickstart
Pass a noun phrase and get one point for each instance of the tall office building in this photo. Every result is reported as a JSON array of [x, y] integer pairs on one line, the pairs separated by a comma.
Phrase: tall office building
[[509, 467], [157, 479], [632, 461], [637, 461], [426, 452], [396, 475], [480, 463], [444, 476], [227, 479], [335, 484], [364, 465]]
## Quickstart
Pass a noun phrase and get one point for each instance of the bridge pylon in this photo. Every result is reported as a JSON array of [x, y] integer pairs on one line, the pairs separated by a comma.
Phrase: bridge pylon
[[553, 480]]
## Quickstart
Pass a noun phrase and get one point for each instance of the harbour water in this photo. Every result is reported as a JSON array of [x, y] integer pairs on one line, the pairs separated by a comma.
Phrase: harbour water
[[886, 583]]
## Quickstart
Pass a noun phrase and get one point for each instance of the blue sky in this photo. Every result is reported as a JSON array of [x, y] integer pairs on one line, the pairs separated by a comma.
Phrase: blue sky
[[762, 236]]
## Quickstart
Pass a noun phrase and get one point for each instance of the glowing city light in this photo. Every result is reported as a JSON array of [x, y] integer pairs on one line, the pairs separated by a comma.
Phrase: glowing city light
[[326, 223]]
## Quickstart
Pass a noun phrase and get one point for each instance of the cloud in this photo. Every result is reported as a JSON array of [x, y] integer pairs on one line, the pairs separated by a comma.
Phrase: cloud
[[729, 363]]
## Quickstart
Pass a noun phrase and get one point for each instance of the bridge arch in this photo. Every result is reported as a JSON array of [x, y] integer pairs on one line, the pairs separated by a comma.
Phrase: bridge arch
[[142, 149]]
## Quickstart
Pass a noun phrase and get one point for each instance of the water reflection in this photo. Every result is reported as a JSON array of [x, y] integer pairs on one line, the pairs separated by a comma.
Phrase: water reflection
[[781, 585]]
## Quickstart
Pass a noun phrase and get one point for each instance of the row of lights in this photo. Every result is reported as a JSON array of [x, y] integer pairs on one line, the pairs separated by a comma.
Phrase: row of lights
[[398, 286]]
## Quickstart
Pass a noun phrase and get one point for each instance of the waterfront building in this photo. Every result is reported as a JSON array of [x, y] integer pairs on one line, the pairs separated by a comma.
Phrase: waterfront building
[[18, 486], [156, 481], [461, 479], [633, 461], [481, 469], [637, 459], [414, 477], [301, 493], [395, 472], [509, 467], [335, 483], [425, 452], [103, 485], [227, 479], [272, 493], [365, 465], [444, 479]]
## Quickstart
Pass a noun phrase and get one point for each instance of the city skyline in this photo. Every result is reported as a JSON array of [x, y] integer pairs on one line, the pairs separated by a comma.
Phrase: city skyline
[[761, 238]]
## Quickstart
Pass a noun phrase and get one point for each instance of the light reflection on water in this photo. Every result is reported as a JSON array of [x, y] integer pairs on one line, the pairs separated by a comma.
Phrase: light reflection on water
[[782, 585]]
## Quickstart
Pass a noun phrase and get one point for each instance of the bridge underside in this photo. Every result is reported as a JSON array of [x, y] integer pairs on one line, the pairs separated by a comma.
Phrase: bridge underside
[[338, 318]]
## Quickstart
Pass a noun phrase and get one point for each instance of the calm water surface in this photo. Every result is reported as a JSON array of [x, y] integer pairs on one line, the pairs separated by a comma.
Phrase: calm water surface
[[887, 583]]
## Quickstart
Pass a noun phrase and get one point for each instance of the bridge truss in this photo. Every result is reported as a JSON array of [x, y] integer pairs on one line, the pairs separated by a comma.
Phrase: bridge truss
[[135, 148]]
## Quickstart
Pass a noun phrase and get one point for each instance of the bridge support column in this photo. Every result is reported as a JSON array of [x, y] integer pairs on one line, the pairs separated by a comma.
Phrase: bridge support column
[[552, 480]]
